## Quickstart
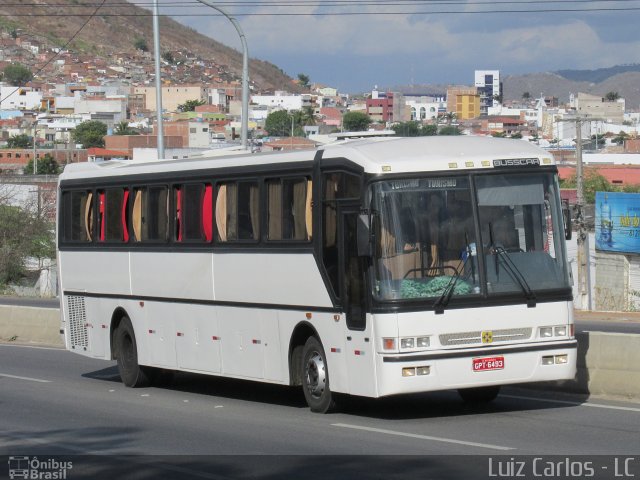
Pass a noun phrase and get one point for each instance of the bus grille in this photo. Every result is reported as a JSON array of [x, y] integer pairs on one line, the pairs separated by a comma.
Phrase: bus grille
[[468, 338], [77, 321]]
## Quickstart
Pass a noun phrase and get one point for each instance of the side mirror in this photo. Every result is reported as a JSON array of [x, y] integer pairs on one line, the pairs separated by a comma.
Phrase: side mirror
[[566, 214], [364, 236]]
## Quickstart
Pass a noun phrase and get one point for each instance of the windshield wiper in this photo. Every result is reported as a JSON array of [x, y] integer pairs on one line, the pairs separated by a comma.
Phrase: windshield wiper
[[447, 293], [516, 274]]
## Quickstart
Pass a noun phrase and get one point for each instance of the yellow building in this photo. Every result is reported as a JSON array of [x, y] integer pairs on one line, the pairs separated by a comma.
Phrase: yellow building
[[464, 102]]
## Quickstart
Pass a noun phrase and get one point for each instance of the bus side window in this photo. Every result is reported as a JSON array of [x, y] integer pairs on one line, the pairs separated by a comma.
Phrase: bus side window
[[78, 216], [207, 212], [155, 214], [192, 203], [177, 213], [289, 209], [111, 211], [226, 212], [136, 215]]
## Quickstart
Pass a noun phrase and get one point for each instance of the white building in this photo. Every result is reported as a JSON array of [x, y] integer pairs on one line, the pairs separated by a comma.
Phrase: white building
[[283, 100], [19, 98], [489, 88]]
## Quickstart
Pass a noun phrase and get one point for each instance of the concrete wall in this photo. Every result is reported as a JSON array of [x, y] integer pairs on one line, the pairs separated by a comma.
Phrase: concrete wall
[[30, 325], [611, 282], [608, 363]]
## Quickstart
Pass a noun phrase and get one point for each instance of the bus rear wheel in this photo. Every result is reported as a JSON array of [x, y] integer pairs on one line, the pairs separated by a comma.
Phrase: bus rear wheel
[[479, 395], [131, 373], [315, 377]]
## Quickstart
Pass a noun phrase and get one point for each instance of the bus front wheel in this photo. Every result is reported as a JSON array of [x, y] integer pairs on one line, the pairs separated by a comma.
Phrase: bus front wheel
[[132, 374], [315, 377]]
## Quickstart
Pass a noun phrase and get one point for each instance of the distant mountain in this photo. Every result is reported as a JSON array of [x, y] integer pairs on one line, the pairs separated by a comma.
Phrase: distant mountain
[[624, 79], [115, 28], [598, 75], [627, 84]]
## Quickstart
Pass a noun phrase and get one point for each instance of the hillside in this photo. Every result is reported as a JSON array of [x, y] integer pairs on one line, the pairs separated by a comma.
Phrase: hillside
[[114, 29], [552, 84]]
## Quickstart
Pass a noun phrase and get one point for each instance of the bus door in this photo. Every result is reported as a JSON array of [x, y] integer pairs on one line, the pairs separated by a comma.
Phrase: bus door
[[359, 345]]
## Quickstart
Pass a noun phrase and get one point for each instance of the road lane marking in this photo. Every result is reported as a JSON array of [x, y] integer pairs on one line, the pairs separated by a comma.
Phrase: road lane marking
[[422, 437], [576, 404], [24, 378]]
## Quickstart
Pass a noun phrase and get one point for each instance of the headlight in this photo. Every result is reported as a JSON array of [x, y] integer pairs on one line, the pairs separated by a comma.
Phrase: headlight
[[422, 342], [546, 332], [560, 331], [407, 343]]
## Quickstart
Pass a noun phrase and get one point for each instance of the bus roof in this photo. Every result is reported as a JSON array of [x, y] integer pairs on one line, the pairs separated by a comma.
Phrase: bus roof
[[377, 156]]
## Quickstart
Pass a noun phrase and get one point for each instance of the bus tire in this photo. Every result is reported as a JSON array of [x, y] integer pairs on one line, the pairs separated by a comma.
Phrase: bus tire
[[132, 374], [479, 395], [315, 377]]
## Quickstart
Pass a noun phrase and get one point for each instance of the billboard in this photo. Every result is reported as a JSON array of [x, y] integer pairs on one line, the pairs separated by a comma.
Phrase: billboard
[[618, 222]]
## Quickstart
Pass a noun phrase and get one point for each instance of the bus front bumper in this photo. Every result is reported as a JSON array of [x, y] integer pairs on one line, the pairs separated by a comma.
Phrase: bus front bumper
[[476, 367]]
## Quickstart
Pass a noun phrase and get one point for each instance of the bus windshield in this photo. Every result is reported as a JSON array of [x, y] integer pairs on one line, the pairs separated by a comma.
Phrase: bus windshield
[[428, 245]]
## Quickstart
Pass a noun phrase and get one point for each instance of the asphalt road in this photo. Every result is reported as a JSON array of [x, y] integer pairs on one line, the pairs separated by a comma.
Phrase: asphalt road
[[53, 402]]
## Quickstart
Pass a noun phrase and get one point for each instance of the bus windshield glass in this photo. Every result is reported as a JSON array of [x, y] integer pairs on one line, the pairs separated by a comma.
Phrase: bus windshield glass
[[427, 246]]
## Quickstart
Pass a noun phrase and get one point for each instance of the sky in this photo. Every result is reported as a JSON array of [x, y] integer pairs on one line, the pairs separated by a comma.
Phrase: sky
[[387, 43]]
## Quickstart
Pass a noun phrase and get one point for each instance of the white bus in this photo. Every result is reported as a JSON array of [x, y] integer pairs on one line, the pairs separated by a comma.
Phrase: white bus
[[370, 268]]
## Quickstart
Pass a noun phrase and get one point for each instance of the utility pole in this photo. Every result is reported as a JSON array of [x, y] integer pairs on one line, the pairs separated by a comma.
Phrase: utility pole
[[582, 237], [584, 277]]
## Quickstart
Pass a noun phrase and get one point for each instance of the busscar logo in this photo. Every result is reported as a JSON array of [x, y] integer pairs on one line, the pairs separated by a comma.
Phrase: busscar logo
[[35, 469], [516, 162]]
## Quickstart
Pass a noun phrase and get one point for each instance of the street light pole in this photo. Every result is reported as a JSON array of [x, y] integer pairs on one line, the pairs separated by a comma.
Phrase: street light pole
[[156, 48], [245, 71]]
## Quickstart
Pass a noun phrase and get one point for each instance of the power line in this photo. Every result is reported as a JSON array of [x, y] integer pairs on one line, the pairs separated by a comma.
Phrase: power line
[[341, 14]]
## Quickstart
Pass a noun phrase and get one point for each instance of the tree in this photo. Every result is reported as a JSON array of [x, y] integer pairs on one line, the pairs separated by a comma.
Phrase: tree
[[600, 139], [17, 74], [593, 182], [168, 57], [498, 134], [526, 96], [123, 128], [304, 117], [449, 130], [25, 234], [141, 44], [356, 121], [278, 123], [516, 135], [620, 138], [612, 96], [429, 130], [90, 134], [303, 80], [20, 141], [190, 105], [407, 129], [47, 165]]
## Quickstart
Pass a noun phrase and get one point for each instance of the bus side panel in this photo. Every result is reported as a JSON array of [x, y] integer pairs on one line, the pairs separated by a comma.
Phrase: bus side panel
[[274, 279], [197, 338], [170, 275], [96, 272], [242, 348]]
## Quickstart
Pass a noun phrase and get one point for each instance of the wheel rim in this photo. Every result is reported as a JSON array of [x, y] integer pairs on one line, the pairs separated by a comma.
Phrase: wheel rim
[[316, 375]]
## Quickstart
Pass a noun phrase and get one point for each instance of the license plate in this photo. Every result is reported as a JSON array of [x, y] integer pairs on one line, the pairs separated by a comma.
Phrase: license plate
[[488, 363]]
